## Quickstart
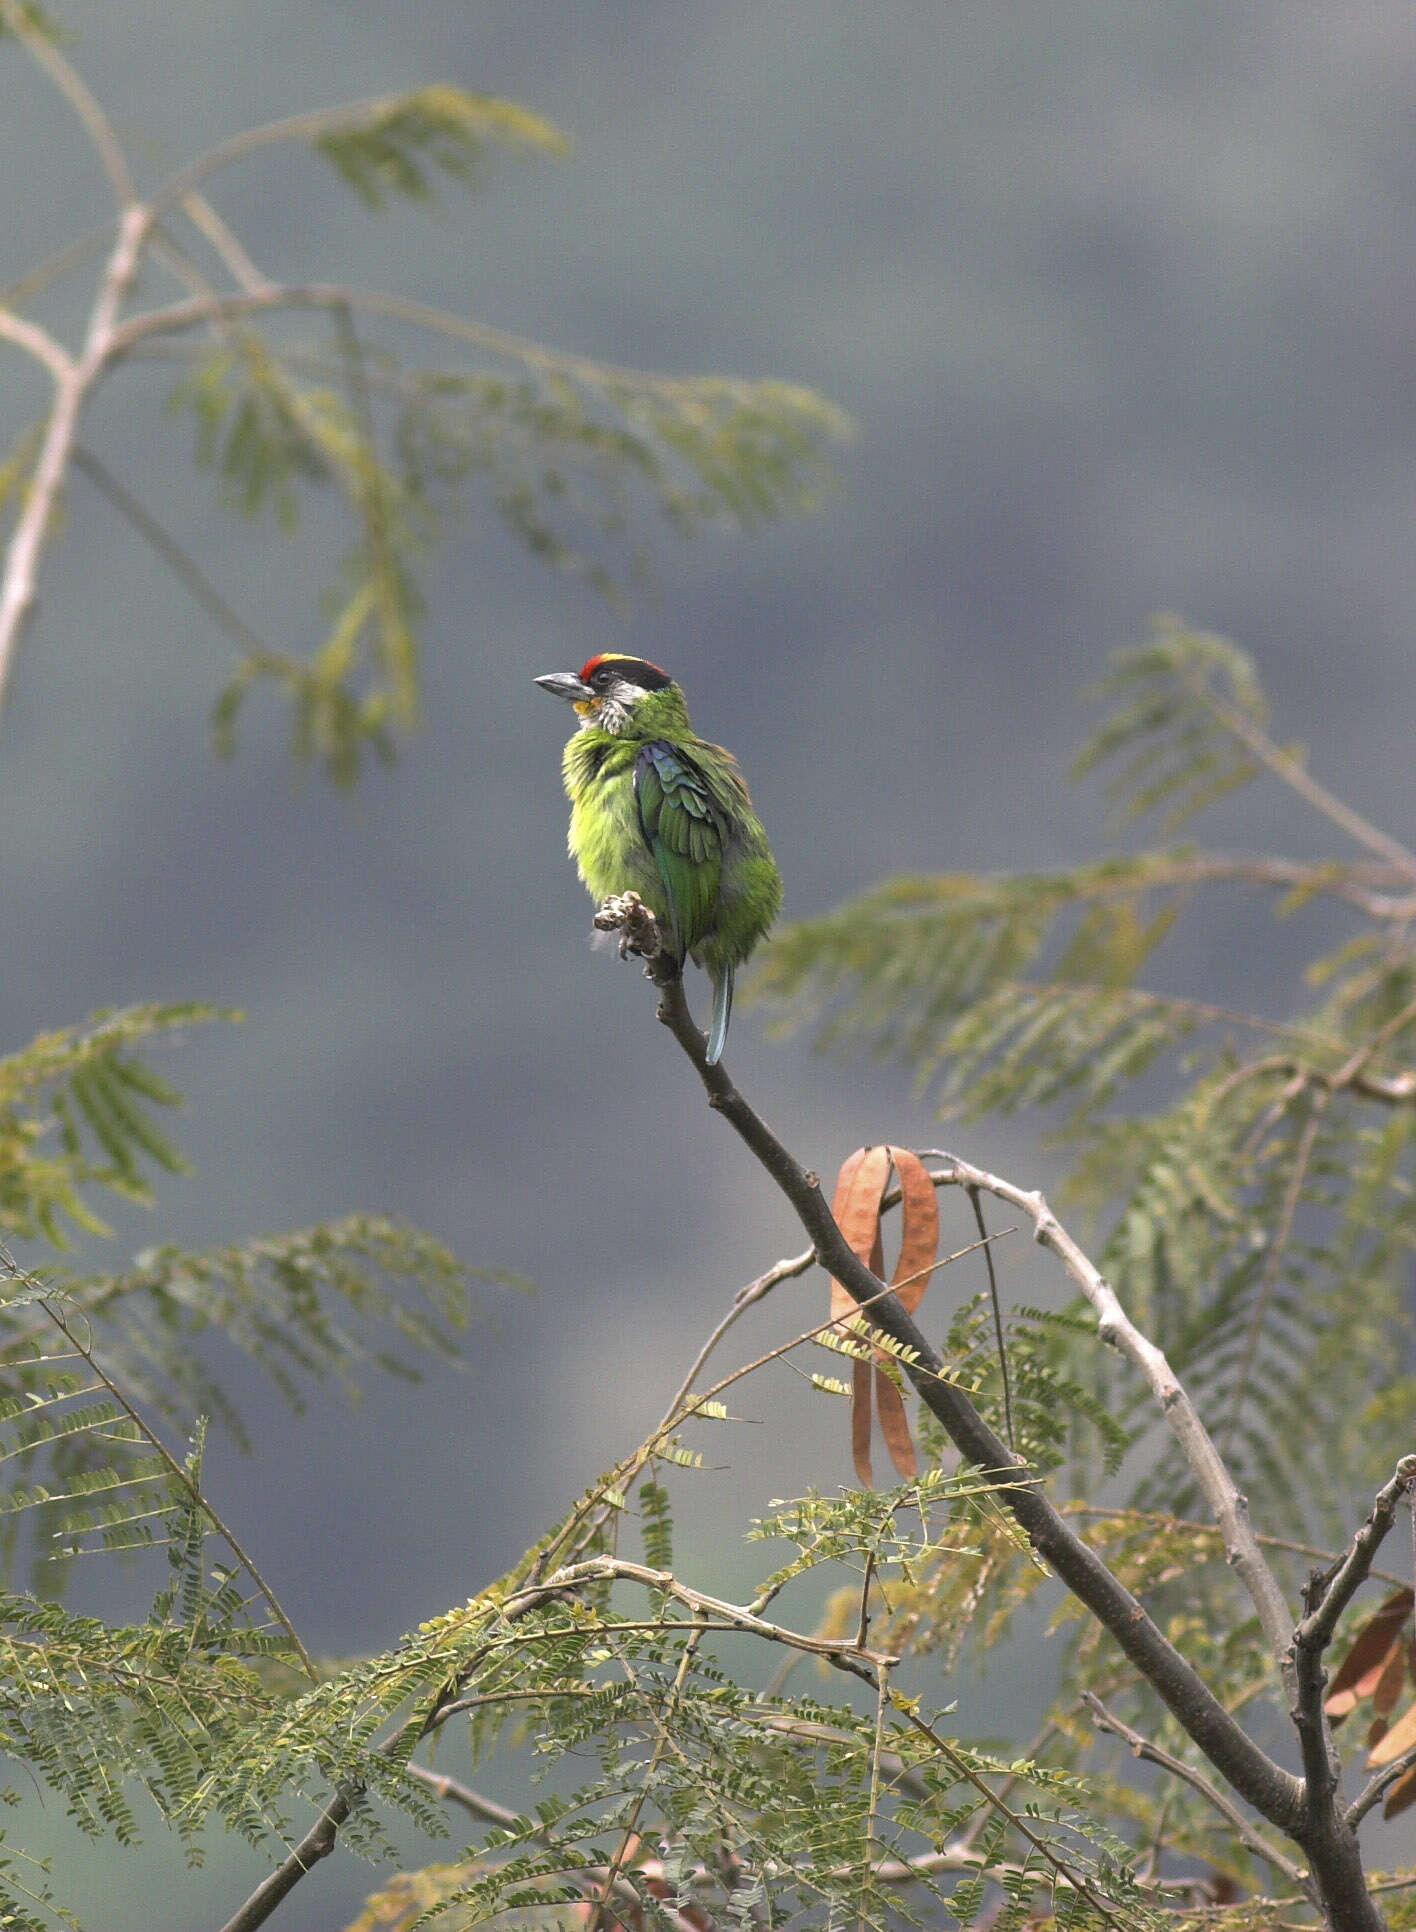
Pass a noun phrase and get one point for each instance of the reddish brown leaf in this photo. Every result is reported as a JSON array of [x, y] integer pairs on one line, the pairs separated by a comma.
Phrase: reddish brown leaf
[[1362, 1667], [1376, 1731], [860, 1188], [919, 1227], [860, 1422], [856, 1207], [894, 1426], [1399, 1738], [1402, 1794], [1387, 1688]]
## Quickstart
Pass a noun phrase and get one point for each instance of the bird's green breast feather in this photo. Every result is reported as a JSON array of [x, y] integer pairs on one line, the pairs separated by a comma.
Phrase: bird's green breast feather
[[687, 841]]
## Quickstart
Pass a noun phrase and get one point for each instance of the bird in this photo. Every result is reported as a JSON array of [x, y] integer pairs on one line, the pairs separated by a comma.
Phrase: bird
[[657, 810]]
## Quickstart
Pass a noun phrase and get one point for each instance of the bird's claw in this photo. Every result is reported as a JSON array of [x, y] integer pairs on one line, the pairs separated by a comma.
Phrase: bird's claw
[[638, 929]]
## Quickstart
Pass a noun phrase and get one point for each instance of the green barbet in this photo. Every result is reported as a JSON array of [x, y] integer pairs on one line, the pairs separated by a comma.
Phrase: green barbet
[[656, 810]]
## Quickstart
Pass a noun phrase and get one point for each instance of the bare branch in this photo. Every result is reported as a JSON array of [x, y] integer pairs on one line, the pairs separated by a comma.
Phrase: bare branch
[[38, 343], [178, 560], [1380, 1785], [71, 85], [1230, 1508], [1271, 1790], [1330, 1837], [19, 583], [177, 316], [1142, 1747], [1335, 1590], [1284, 765]]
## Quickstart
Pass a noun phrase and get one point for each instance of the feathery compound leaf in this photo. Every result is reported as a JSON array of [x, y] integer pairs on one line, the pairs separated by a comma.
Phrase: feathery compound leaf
[[76, 1111], [300, 1305], [932, 971], [393, 146], [566, 446], [1185, 698]]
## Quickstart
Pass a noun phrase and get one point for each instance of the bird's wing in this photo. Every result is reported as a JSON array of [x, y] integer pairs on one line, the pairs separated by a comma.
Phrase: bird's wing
[[685, 827]]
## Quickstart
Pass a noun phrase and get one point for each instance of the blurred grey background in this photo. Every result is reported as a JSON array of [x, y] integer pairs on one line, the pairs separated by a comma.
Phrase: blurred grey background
[[1122, 298]]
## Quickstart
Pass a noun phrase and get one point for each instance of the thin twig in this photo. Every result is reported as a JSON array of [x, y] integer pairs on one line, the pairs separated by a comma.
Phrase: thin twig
[[1159, 1519], [37, 342], [72, 86], [1076, 1880], [1284, 765], [178, 560], [1379, 1785], [1142, 1747], [977, 1206], [1114, 1326], [180, 1475]]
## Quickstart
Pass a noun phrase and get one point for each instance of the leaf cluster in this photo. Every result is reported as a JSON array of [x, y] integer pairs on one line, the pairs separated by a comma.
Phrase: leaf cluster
[[1256, 1207]]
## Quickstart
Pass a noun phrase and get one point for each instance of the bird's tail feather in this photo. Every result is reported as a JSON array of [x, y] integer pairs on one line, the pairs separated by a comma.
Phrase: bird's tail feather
[[722, 1013]]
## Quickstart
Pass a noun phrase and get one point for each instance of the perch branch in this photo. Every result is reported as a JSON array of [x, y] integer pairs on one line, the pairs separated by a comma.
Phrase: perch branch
[[1229, 1507], [1141, 1747], [1270, 1789]]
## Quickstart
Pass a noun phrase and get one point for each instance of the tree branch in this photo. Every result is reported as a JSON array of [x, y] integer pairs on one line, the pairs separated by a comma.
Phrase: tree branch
[[72, 86], [18, 586], [38, 343], [1284, 765], [1271, 1790], [1229, 1507], [1381, 1783], [1336, 1588], [1142, 1747]]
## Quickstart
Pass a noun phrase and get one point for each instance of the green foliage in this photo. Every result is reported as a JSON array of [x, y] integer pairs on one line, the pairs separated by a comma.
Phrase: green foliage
[[1189, 707], [1258, 1220], [388, 147], [76, 1113], [566, 448]]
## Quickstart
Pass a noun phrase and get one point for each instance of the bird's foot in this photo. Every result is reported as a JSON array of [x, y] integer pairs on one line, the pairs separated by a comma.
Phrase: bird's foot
[[638, 929]]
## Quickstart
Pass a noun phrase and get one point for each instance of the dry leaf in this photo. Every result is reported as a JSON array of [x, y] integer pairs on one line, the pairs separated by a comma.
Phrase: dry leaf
[[1402, 1794], [860, 1188], [1399, 1738], [1362, 1668]]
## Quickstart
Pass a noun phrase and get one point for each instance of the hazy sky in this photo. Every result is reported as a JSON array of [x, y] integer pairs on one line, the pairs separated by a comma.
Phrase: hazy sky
[[1122, 299]]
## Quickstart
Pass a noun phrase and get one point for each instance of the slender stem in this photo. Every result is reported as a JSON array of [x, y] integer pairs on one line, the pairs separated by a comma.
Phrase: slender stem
[[227, 246], [977, 1207], [38, 278], [181, 1476], [1163, 1521], [1142, 1747], [38, 343], [1273, 1791], [295, 127], [178, 316], [1064, 1871], [19, 583], [182, 565], [1273, 1261], [72, 86], [1284, 765], [661, 1744], [1379, 1785], [1114, 1326]]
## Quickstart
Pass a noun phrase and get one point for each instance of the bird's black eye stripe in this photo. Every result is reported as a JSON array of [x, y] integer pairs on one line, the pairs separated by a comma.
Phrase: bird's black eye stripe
[[601, 678], [638, 670]]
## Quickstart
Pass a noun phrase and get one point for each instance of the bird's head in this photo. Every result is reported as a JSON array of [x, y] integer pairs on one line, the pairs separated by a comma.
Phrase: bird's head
[[626, 696]]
